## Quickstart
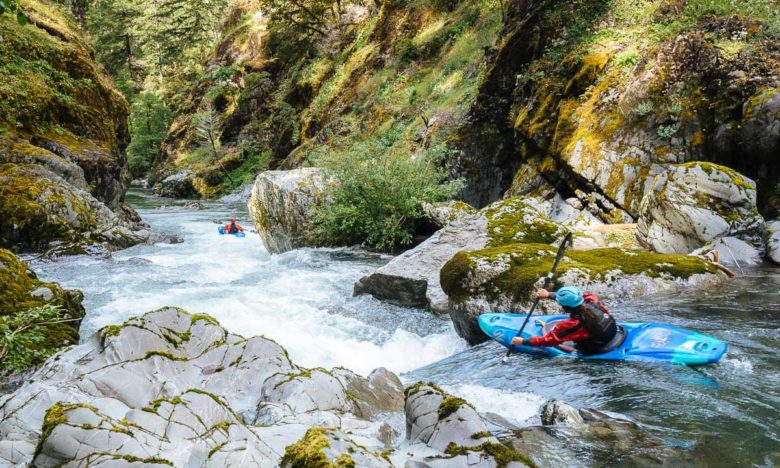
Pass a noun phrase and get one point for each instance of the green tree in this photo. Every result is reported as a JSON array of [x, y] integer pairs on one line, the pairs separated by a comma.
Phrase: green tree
[[150, 119], [208, 129]]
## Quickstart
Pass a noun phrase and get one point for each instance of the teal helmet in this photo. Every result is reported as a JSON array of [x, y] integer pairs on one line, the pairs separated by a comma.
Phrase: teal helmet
[[569, 296]]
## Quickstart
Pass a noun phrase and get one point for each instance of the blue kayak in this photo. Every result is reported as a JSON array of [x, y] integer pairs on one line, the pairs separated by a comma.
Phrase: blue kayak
[[222, 231], [635, 342]]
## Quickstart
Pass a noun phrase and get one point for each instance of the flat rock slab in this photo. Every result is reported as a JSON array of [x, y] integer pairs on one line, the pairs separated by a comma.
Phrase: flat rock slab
[[412, 278]]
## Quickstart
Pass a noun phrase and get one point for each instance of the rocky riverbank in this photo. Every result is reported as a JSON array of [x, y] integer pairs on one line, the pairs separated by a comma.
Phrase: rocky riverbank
[[171, 388]]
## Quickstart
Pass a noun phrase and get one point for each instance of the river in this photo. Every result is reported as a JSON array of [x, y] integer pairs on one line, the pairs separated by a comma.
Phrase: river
[[720, 415]]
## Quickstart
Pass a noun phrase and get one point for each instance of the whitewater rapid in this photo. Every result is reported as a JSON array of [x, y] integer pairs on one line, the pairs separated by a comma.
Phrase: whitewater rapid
[[301, 299]]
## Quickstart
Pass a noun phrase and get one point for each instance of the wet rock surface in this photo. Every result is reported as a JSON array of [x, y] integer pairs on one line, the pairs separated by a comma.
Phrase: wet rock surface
[[693, 204], [280, 204]]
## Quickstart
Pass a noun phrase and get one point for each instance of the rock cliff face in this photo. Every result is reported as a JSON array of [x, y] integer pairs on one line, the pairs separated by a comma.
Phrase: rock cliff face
[[606, 97], [63, 130], [693, 204]]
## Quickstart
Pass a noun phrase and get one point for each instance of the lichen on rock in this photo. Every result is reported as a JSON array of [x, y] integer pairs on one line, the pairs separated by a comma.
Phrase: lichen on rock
[[693, 204]]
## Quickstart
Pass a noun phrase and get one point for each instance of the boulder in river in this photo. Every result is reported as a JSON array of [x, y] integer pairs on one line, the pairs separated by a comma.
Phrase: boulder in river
[[280, 207], [179, 185], [412, 278], [503, 278], [451, 425], [690, 205]]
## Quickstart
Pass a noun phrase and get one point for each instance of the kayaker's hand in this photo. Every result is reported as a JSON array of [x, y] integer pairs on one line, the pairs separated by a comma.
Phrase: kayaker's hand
[[542, 294], [517, 341]]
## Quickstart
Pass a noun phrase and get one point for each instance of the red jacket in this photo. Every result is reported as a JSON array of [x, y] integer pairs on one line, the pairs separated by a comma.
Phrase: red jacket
[[238, 227], [569, 329]]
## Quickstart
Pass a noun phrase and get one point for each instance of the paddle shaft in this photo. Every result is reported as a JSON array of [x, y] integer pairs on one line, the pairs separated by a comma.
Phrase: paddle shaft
[[547, 281]]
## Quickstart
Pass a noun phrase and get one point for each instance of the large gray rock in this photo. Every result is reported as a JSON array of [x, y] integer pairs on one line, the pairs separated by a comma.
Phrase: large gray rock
[[693, 204], [280, 207], [412, 278], [773, 241], [503, 278], [173, 388]]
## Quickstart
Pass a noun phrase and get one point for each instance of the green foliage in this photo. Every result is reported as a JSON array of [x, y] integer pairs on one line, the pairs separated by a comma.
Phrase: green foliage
[[644, 108], [377, 195], [12, 7], [154, 45], [223, 74], [666, 131], [23, 336], [627, 59], [149, 122]]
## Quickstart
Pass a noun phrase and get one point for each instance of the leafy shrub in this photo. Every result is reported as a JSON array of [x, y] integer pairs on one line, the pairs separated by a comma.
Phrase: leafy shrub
[[643, 108], [223, 74], [627, 59], [23, 339], [666, 131], [377, 194]]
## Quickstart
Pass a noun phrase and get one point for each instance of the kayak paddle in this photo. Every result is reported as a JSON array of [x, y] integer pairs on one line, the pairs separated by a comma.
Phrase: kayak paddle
[[547, 281]]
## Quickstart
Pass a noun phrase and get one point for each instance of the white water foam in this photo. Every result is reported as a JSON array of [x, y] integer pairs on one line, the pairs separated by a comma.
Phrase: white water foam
[[517, 407], [301, 299]]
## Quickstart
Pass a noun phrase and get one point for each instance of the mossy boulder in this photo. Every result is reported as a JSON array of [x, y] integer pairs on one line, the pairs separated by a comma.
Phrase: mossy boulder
[[280, 207], [21, 290], [690, 205], [503, 278], [41, 211]]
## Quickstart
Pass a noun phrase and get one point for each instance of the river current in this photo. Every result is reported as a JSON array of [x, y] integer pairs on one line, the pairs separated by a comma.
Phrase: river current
[[727, 414]]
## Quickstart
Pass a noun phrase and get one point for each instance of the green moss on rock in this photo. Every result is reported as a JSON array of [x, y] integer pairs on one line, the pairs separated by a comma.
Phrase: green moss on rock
[[502, 454], [519, 266], [449, 405], [308, 452], [21, 290], [515, 220]]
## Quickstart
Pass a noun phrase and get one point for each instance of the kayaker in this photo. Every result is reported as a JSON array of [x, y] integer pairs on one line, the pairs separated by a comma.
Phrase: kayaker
[[589, 325], [233, 227]]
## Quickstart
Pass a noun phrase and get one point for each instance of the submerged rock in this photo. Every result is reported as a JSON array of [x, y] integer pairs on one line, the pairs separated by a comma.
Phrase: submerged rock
[[280, 207], [693, 204], [503, 278]]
